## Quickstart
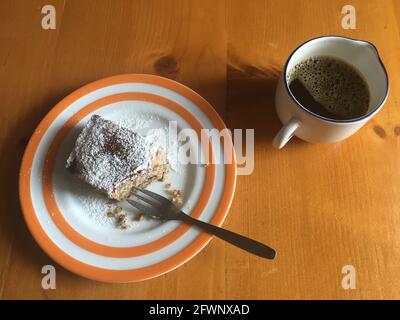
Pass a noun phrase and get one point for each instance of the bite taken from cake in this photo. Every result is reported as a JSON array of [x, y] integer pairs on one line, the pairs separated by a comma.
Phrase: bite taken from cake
[[114, 159]]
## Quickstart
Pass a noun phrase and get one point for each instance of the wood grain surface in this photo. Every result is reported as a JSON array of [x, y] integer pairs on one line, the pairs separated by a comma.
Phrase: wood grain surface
[[320, 206]]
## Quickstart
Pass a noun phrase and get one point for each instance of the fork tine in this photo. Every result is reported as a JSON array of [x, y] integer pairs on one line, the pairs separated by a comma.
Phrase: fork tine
[[141, 207], [152, 194], [151, 201]]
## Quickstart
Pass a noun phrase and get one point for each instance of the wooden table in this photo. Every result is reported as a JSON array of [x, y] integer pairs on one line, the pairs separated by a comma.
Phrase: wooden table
[[321, 206]]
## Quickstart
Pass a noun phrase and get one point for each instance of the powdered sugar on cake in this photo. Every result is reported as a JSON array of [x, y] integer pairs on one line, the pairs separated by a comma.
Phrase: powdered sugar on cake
[[159, 136], [145, 140], [109, 154]]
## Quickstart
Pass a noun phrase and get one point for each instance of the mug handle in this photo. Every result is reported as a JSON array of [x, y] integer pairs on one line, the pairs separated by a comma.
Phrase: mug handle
[[287, 132]]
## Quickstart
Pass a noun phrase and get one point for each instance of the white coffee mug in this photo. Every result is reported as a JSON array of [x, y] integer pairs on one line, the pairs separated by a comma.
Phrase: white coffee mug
[[311, 127]]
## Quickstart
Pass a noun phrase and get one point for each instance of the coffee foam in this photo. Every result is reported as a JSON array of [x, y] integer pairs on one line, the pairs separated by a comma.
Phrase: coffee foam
[[336, 85]]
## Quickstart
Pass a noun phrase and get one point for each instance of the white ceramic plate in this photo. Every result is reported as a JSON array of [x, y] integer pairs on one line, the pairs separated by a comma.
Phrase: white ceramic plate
[[68, 218]]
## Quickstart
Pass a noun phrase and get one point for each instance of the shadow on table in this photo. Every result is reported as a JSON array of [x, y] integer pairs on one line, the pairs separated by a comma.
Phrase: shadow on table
[[24, 248], [251, 100]]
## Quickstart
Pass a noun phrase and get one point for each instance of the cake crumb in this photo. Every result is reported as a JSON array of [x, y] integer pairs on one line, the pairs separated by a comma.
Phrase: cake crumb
[[175, 194], [120, 216], [122, 221], [110, 213]]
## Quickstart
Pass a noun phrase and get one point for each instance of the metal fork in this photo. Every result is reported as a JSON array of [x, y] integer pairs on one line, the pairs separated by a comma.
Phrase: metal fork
[[159, 207]]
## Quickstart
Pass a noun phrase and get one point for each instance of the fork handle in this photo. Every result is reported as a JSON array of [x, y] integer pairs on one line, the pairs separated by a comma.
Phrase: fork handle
[[236, 239]]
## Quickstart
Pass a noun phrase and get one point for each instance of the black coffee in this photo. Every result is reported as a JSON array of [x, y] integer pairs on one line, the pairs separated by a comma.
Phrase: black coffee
[[329, 87]]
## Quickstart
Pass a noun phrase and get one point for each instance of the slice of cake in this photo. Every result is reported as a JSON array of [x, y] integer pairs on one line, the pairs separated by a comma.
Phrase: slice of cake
[[114, 159]]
